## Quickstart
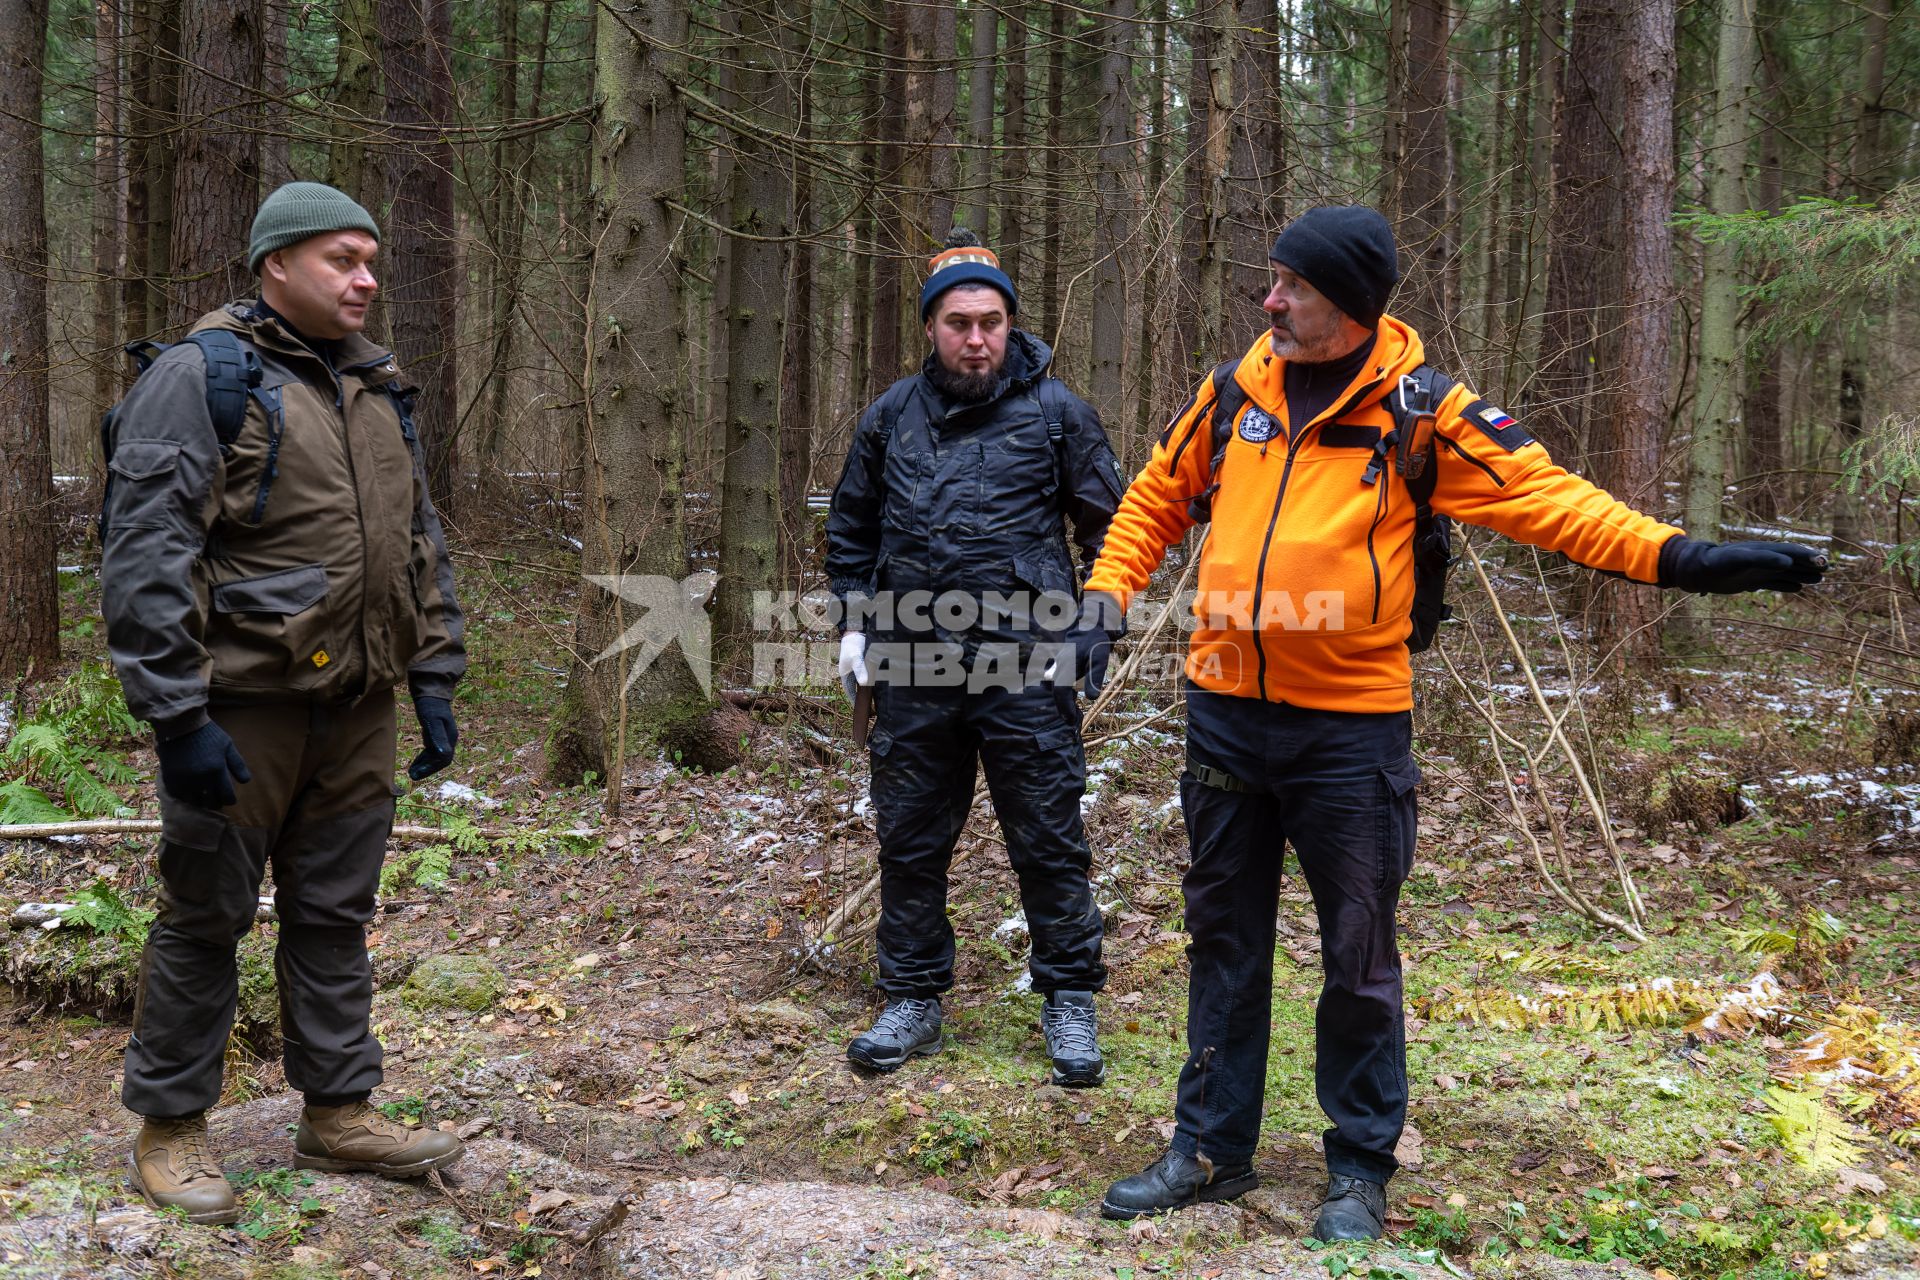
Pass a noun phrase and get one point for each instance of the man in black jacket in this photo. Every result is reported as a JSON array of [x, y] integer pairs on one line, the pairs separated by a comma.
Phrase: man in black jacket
[[947, 547]]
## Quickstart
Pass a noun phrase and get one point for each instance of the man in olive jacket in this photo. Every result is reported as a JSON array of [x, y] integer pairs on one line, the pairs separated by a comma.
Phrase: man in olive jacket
[[265, 589]]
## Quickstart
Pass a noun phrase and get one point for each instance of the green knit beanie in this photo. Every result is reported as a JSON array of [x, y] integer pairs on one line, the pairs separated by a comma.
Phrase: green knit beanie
[[302, 209]]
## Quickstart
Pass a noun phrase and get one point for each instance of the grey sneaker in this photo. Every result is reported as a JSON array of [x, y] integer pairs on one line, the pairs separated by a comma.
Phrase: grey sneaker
[[905, 1029], [1073, 1039]]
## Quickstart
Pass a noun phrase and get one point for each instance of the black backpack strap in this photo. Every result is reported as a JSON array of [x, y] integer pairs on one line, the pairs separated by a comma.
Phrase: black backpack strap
[[1415, 404], [1229, 397], [233, 374]]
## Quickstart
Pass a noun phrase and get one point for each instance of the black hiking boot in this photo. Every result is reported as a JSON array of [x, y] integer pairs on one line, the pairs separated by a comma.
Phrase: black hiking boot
[[1354, 1209], [1068, 1021], [1175, 1181], [905, 1029]]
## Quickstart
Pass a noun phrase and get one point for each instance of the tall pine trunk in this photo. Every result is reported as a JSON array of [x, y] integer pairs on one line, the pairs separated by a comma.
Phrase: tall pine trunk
[[108, 206], [29, 595], [352, 163], [216, 175], [984, 19], [797, 368], [422, 257], [1629, 465], [1856, 350], [1765, 457], [1116, 161], [635, 374], [762, 206], [890, 268], [1425, 176], [1583, 267]]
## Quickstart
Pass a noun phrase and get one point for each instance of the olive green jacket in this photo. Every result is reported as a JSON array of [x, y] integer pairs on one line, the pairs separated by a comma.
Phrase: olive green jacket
[[305, 561]]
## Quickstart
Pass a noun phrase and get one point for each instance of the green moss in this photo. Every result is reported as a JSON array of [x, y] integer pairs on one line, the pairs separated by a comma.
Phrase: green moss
[[454, 982]]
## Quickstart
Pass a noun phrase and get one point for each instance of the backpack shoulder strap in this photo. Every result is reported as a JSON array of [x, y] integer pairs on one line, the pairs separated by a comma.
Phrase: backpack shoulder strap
[[1415, 405], [233, 372], [893, 402], [1228, 398]]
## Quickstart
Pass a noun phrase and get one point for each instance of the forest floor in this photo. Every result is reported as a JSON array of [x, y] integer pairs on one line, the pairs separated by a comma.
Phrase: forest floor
[[626, 1022]]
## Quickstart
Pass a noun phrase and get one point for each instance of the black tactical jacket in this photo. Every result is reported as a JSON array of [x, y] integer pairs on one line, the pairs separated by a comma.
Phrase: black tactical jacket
[[942, 496]]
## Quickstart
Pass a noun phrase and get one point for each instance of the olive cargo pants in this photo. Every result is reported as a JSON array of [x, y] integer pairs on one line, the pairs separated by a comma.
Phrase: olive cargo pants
[[320, 807]]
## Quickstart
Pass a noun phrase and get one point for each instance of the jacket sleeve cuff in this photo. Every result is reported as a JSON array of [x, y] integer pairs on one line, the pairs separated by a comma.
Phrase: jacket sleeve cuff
[[179, 726], [430, 684]]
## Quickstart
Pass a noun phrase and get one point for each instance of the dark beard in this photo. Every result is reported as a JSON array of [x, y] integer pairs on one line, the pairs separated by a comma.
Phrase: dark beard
[[967, 388]]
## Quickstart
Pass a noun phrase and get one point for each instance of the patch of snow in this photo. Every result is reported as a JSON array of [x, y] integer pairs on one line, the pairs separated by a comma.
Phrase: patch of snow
[[1015, 923], [461, 793]]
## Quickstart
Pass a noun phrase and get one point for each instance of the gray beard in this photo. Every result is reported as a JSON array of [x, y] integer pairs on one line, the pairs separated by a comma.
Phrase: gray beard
[[1309, 348]]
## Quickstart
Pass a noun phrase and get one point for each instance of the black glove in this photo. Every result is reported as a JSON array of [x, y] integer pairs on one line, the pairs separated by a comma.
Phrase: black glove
[[439, 734], [1691, 564], [194, 767], [1101, 622]]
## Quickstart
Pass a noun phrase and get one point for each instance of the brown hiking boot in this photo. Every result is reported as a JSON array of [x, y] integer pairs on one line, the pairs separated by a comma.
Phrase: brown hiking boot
[[174, 1168], [356, 1138]]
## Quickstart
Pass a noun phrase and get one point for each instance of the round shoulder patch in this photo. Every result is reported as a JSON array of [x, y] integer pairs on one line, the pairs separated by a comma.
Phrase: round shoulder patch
[[1257, 426]]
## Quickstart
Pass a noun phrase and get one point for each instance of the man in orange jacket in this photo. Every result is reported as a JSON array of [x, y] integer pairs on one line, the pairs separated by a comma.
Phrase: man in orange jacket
[[1300, 689]]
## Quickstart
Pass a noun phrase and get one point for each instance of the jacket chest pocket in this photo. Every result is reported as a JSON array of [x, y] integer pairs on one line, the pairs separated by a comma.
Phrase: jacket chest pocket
[[273, 630], [252, 460], [1016, 485], [906, 461]]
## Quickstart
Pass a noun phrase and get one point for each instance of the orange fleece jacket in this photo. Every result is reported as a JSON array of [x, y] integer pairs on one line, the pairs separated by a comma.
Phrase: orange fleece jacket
[[1306, 581]]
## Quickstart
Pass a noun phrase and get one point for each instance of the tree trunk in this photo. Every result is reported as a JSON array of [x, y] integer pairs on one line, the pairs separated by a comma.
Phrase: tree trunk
[[986, 38], [1053, 202], [352, 164], [503, 277], [1196, 205], [216, 176], [1152, 209], [1717, 393], [276, 144], [762, 205], [162, 115], [866, 218], [1116, 161], [1256, 159], [1717, 397], [635, 375], [797, 371], [29, 593], [1856, 350], [1583, 268], [422, 259], [138, 25], [1524, 200], [1766, 458], [1425, 171], [1630, 467], [107, 206], [1014, 159], [711, 441], [1216, 154], [943, 157], [889, 271]]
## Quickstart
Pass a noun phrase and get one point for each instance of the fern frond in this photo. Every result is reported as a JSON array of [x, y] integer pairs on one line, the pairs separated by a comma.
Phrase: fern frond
[[1812, 1132], [21, 802]]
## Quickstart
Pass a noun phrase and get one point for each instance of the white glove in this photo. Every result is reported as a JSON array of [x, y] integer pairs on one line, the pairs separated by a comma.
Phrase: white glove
[[853, 661]]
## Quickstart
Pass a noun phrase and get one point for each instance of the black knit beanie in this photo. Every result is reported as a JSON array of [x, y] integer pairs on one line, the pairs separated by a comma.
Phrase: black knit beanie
[[1346, 252]]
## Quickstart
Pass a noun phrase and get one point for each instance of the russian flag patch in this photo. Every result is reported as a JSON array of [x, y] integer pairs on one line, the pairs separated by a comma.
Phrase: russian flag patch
[[1496, 418]]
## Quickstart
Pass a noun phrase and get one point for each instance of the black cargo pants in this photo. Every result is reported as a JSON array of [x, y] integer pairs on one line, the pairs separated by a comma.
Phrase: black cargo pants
[[320, 807], [1339, 787], [925, 743]]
